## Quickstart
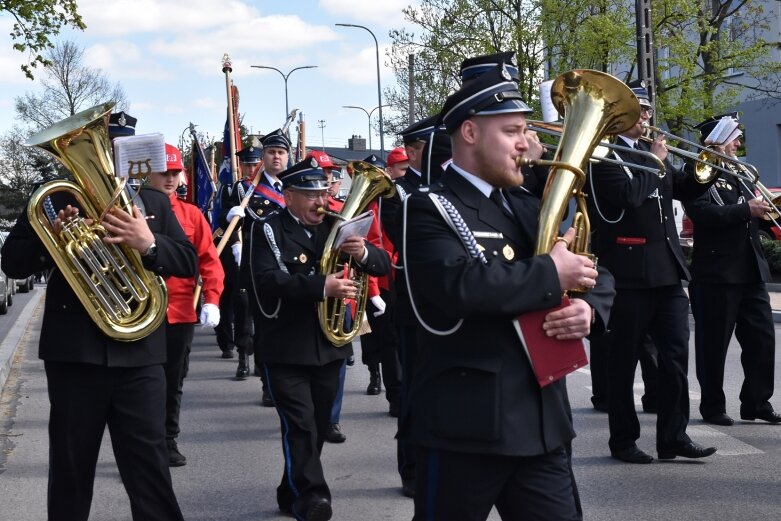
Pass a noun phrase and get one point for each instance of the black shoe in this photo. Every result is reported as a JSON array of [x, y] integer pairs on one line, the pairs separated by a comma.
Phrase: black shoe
[[393, 409], [374, 380], [718, 419], [600, 406], [266, 400], [228, 353], [175, 458], [687, 450], [351, 360], [631, 455], [256, 371], [768, 416], [334, 434], [242, 371], [319, 509], [650, 408], [408, 488]]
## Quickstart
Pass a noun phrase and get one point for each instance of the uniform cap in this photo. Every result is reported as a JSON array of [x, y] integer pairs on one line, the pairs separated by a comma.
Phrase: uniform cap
[[304, 175], [474, 67], [121, 124], [276, 139], [376, 161], [420, 130], [249, 155], [638, 87]]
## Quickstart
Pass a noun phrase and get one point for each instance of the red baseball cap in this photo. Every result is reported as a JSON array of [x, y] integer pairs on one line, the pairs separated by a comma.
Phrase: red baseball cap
[[323, 160], [173, 158], [397, 155]]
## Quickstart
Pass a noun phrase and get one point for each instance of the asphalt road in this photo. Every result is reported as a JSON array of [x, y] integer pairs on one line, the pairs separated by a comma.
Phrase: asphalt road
[[235, 462]]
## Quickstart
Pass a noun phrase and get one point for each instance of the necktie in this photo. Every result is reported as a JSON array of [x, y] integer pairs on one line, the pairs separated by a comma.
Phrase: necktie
[[498, 200], [278, 187]]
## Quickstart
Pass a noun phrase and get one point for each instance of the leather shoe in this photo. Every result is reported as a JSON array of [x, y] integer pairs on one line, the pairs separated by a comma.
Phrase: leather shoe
[[266, 400], [394, 408], [175, 458], [768, 416], [719, 419], [227, 353], [334, 434], [687, 450], [242, 371], [318, 509], [631, 455], [408, 488]]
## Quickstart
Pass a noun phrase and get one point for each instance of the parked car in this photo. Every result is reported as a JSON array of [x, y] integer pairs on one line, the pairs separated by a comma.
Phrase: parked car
[[768, 231], [6, 298]]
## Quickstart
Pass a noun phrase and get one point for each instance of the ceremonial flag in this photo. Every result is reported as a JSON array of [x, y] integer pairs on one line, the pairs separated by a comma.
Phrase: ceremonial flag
[[226, 176], [204, 185]]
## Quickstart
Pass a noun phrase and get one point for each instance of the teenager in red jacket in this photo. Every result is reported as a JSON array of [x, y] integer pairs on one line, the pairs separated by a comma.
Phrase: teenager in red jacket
[[181, 317]]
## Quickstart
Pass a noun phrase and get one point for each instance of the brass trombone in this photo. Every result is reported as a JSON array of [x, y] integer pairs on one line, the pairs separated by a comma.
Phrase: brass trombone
[[602, 149]]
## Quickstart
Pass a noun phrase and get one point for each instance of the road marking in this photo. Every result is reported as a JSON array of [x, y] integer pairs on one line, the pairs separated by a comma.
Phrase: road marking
[[727, 445]]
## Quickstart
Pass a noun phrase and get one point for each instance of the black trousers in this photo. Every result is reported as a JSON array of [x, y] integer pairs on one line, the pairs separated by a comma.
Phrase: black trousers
[[235, 327], [598, 364], [303, 395], [720, 309], [179, 340], [131, 401], [454, 486], [380, 347], [408, 348], [662, 312]]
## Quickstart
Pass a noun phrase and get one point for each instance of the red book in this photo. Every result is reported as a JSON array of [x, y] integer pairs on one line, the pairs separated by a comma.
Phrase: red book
[[551, 358]]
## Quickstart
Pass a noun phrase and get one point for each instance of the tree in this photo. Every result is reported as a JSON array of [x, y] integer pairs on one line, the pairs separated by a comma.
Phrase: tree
[[68, 86], [708, 53], [36, 21], [21, 169]]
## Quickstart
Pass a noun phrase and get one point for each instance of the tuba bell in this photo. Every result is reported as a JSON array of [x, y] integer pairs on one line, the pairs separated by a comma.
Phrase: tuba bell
[[594, 104], [334, 314], [125, 301]]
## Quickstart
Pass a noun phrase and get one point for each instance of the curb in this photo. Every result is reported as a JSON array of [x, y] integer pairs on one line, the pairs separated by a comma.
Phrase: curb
[[12, 340]]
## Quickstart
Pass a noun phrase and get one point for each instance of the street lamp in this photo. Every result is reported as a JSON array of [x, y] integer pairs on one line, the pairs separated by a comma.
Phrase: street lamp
[[369, 115], [379, 89], [285, 77]]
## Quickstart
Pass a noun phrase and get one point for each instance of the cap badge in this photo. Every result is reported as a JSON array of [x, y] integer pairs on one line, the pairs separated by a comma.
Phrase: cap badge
[[122, 121], [313, 163], [508, 252], [505, 73]]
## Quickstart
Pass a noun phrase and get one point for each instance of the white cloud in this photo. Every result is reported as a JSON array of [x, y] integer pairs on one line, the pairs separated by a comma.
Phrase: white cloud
[[386, 13], [209, 103], [358, 68]]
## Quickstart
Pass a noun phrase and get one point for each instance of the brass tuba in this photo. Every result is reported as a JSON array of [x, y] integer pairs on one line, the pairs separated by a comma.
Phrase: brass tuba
[[124, 300], [594, 104], [368, 183]]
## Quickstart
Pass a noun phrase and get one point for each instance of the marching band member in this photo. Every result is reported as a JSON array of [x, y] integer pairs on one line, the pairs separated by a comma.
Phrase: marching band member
[[728, 292], [180, 316], [637, 241], [300, 364], [94, 380], [467, 286]]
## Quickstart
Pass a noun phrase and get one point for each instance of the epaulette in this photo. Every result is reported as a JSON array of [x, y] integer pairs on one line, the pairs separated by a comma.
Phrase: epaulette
[[433, 187], [423, 189]]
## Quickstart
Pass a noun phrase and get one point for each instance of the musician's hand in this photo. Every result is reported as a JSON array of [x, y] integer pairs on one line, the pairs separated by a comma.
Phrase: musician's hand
[[233, 212], [574, 271], [571, 322], [131, 230], [535, 149], [758, 207], [354, 247], [659, 147], [339, 287], [63, 215]]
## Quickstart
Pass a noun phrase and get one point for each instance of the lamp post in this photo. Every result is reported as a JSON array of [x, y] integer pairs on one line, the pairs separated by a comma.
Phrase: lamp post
[[368, 114], [285, 77], [379, 88]]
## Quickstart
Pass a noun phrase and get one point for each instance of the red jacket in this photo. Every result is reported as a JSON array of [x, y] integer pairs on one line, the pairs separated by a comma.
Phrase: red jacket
[[181, 290]]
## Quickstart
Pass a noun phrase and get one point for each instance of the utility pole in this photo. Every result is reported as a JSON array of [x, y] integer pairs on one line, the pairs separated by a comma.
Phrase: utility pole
[[321, 124], [411, 81], [646, 69]]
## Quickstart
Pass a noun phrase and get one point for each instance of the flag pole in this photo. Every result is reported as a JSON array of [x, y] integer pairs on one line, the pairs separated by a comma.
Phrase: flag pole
[[227, 68]]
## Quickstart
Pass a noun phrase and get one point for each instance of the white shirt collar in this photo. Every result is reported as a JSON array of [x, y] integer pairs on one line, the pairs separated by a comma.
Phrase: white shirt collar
[[482, 185], [629, 141], [415, 171], [271, 180]]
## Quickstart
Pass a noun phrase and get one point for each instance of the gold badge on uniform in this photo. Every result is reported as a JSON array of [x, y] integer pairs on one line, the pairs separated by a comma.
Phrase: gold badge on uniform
[[266, 201], [259, 211], [508, 252], [303, 258]]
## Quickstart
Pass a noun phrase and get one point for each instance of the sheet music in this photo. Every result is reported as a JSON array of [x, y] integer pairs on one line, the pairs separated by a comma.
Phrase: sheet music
[[549, 112], [358, 225], [137, 156]]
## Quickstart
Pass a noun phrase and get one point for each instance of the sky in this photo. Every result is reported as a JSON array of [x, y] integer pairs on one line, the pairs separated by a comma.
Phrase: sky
[[167, 55]]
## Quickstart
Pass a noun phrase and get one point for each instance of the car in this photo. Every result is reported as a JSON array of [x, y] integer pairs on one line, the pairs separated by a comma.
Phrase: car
[[768, 230], [6, 297]]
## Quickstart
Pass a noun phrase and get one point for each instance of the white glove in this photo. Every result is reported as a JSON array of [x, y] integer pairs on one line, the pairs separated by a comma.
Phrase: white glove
[[236, 249], [233, 212], [210, 315], [379, 304]]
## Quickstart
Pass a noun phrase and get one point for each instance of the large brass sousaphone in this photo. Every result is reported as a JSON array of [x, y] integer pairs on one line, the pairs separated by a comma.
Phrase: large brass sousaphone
[[594, 104], [126, 301], [335, 314]]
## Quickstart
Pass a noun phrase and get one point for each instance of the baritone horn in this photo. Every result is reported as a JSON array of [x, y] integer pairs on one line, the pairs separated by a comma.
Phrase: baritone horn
[[339, 321], [125, 301], [594, 104]]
